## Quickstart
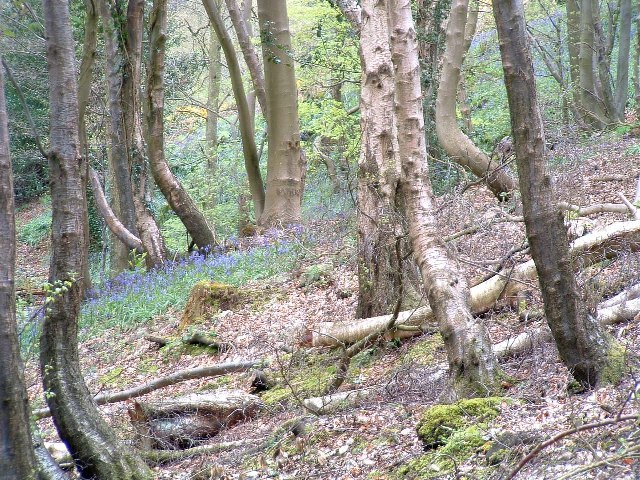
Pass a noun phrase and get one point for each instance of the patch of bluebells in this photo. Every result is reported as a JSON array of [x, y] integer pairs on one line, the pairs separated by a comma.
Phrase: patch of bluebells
[[135, 296]]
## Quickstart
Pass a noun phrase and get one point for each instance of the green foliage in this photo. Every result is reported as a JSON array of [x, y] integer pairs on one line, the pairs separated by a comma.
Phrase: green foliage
[[37, 229]]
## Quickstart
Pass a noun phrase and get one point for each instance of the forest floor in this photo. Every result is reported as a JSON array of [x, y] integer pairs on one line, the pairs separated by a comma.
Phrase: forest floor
[[375, 437]]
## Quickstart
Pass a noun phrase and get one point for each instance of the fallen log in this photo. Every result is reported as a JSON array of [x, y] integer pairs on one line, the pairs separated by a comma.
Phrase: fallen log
[[160, 457], [183, 422], [595, 246], [177, 377]]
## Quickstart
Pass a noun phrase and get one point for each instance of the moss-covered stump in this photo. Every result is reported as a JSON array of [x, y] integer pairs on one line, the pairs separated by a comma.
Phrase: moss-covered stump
[[453, 433], [440, 422], [206, 299]]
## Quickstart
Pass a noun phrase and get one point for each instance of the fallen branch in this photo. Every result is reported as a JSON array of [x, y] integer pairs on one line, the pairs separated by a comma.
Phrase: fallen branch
[[159, 457], [181, 376], [327, 403], [588, 426], [594, 209], [586, 250]]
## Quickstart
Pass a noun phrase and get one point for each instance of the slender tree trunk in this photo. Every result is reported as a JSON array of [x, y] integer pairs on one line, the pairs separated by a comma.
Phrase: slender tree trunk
[[245, 118], [473, 367], [457, 145], [285, 167], [590, 101], [604, 47], [92, 443], [249, 53], [636, 66], [213, 110], [582, 343], [177, 197], [573, 46], [84, 92], [17, 459], [379, 218], [132, 115], [121, 188], [624, 50]]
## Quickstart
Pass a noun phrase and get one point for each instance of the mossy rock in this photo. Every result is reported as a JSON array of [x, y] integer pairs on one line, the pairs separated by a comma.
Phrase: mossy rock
[[316, 274], [206, 299], [460, 446], [440, 422]]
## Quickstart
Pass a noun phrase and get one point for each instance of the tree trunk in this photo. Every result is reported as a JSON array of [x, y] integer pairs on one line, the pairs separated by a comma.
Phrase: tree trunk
[[245, 118], [84, 93], [457, 145], [582, 343], [636, 66], [379, 219], [177, 197], [573, 46], [285, 164], [624, 50], [121, 188], [590, 101], [115, 226], [17, 459], [213, 109], [473, 367], [249, 53], [92, 443], [132, 116]]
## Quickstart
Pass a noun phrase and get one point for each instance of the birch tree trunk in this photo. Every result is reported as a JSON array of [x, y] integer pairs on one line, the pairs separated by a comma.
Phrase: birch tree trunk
[[17, 459], [379, 218], [177, 197], [285, 170], [473, 367], [457, 145], [92, 443], [582, 343]]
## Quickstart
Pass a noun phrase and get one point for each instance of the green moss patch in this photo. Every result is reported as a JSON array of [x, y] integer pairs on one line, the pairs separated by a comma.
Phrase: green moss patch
[[440, 422], [423, 351]]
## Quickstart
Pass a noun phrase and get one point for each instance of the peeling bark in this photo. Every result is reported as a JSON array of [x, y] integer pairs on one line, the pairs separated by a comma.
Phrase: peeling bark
[[472, 365]]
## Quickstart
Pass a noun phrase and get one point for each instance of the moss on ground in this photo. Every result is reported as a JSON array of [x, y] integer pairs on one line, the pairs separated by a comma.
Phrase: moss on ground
[[439, 422], [616, 364], [460, 446], [423, 351]]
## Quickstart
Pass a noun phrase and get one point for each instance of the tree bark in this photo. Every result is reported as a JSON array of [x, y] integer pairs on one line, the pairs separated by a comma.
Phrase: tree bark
[[177, 197], [17, 459], [132, 117], [590, 101], [573, 47], [457, 145], [636, 66], [115, 226], [472, 367], [624, 50], [213, 109], [121, 188], [582, 344], [92, 443], [245, 118], [249, 53], [379, 218], [285, 168]]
